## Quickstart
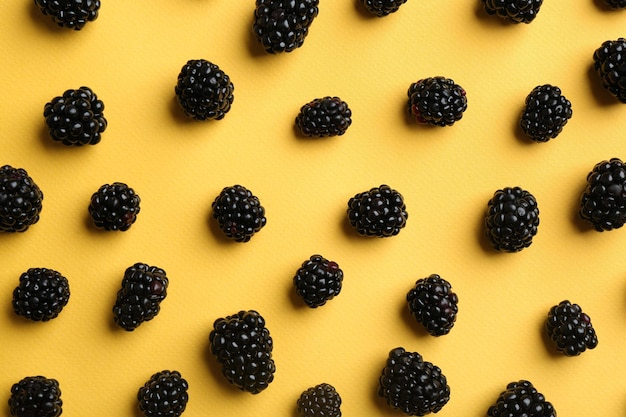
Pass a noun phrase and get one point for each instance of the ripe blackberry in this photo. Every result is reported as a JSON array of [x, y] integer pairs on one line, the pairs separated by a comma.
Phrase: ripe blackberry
[[433, 304], [283, 25], [379, 212], [36, 396], [545, 114], [239, 213], [515, 11], [163, 395], [616, 4], [603, 202], [20, 200], [328, 116], [242, 345], [382, 8], [204, 91], [521, 399], [570, 329], [41, 294], [412, 385], [512, 219], [71, 14], [437, 101], [322, 400], [143, 289], [114, 207], [609, 61], [76, 118], [318, 280]]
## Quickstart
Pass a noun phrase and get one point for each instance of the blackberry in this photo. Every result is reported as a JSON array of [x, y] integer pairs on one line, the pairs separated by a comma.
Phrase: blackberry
[[283, 25], [437, 101], [143, 289], [242, 345], [379, 212], [71, 14], [433, 304], [328, 116], [382, 8], [41, 294], [521, 399], [512, 219], [318, 280], [412, 385], [322, 400], [36, 396], [609, 61], [616, 4], [204, 91], [545, 114], [239, 213], [76, 118], [114, 207], [570, 329], [603, 202], [163, 395], [20, 200], [515, 11]]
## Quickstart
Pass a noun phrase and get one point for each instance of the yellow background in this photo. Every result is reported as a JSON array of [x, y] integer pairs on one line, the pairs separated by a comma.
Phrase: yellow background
[[131, 56]]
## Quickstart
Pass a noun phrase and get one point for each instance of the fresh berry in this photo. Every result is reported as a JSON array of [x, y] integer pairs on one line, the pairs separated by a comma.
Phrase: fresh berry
[[328, 116], [609, 61], [204, 91], [521, 399], [437, 101], [382, 8], [433, 304], [545, 113], [515, 11], [379, 212], [239, 213], [322, 400], [163, 395], [143, 289], [318, 280], [283, 25], [20, 200], [412, 385], [570, 329], [75, 118], [512, 219], [71, 14], [603, 202], [36, 396], [114, 207], [41, 294], [616, 4]]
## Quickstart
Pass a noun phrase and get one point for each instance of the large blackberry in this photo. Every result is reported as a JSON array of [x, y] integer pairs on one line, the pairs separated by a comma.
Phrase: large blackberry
[[71, 14], [239, 213], [437, 101], [515, 11], [322, 400], [318, 280], [512, 219], [382, 8], [412, 385], [139, 299], [616, 4], [433, 304], [609, 61], [328, 116], [521, 399], [204, 91], [379, 212], [283, 25], [545, 113], [570, 329], [163, 395], [36, 396], [603, 202], [114, 207], [20, 200], [243, 346], [41, 294]]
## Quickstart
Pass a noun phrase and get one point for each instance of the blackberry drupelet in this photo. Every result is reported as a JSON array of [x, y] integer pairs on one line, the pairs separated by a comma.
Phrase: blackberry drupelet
[[382, 8], [412, 385], [609, 61], [36, 396], [515, 11], [164, 395], [71, 14], [41, 294], [512, 219], [616, 4], [20, 200], [318, 280], [545, 113], [204, 91], [603, 202], [328, 116], [239, 213], [379, 212], [322, 400], [433, 304], [76, 118], [283, 25], [521, 399], [437, 101], [570, 329], [242, 345], [143, 289], [114, 207]]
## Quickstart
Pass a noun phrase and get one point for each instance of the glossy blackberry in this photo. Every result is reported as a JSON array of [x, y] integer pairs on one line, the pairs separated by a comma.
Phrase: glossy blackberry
[[515, 11], [164, 395], [322, 400], [545, 113], [616, 4], [570, 329], [382, 8], [609, 61], [379, 212], [512, 219], [412, 385], [283, 25], [437, 101], [36, 396], [318, 280], [328, 116], [41, 294], [204, 91], [603, 202], [521, 399], [239, 213], [20, 200], [433, 304], [143, 289], [71, 14], [76, 118], [114, 207], [242, 345]]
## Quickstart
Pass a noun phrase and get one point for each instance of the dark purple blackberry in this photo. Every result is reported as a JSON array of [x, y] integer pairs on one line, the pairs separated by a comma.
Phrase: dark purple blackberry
[[283, 25], [570, 329], [204, 91], [318, 280], [609, 61], [322, 400], [243, 346], [328, 116], [437, 101], [379, 212], [545, 113], [382, 8], [433, 304], [114, 207], [238, 213], [71, 14], [603, 202], [616, 4], [76, 118], [41, 294], [36, 396], [143, 289], [515, 11], [20, 200], [521, 399], [512, 219], [164, 395], [412, 385]]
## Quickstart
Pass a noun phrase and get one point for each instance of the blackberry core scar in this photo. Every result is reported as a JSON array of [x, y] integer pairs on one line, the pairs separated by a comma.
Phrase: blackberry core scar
[[204, 91], [41, 294], [521, 399], [318, 280], [603, 202], [382, 8], [283, 25], [328, 116], [20, 200], [436, 101], [514, 11], [114, 207], [512, 219], [36, 396], [433, 304], [546, 112], [164, 395], [239, 213], [379, 212], [71, 14], [570, 329], [609, 62], [322, 400]]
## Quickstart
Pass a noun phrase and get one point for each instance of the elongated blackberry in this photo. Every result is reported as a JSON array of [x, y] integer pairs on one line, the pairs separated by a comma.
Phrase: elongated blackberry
[[603, 202], [36, 396], [318, 280], [512, 219], [114, 207], [515, 11], [616, 4], [379, 212], [521, 399], [433, 304], [570, 329], [204, 91], [437, 101], [283, 25], [71, 14], [328, 116], [164, 395], [382, 8], [20, 200], [322, 400], [545, 113], [609, 61], [41, 294], [239, 213]]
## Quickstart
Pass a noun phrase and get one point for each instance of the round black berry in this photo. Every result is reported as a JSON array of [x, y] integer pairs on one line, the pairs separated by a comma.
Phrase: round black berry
[[570, 329], [433, 304], [20, 200], [616, 4], [437, 101], [382, 8], [521, 399], [318, 280], [164, 395], [283, 25], [239, 213], [609, 61], [512, 219], [36, 396], [603, 202], [379, 212], [515, 11], [71, 14], [322, 400], [545, 113], [41, 294], [114, 207], [328, 116]]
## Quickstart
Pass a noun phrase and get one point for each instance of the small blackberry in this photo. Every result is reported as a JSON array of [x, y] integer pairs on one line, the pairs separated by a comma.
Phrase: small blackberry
[[75, 118], [328, 116], [71, 14], [570, 329], [20, 200], [437, 101], [239, 213], [521, 399], [322, 400], [545, 113], [163, 395], [412, 385], [616, 4], [143, 289], [114, 207], [36, 396], [603, 202], [512, 219], [382, 8], [204, 91], [283, 25], [379, 212], [609, 61], [41, 294], [318, 280], [433, 304], [515, 11]]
